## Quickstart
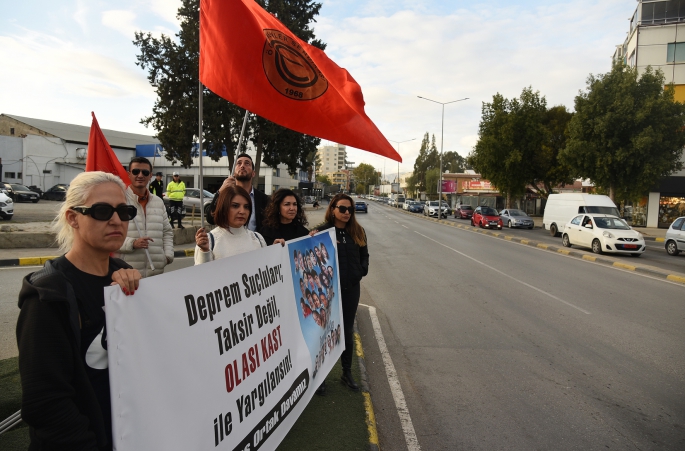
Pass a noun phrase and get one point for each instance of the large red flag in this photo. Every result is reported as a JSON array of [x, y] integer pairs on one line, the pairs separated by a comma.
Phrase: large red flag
[[251, 59], [101, 157]]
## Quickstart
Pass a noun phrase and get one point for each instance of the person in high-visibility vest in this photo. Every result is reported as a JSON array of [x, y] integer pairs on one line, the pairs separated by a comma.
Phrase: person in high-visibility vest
[[175, 191]]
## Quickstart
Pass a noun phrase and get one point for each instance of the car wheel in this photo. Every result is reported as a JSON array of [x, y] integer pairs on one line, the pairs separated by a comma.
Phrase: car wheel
[[635, 254], [481, 225], [509, 223], [596, 246], [7, 217], [208, 210], [553, 230], [472, 224], [530, 228], [565, 241], [35, 201], [672, 248]]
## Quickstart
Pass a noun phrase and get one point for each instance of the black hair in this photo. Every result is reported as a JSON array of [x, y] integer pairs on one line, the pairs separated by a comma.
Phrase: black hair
[[141, 160], [246, 156]]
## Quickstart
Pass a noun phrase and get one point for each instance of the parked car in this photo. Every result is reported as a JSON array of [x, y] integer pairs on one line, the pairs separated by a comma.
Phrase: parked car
[[463, 212], [6, 206], [516, 218], [360, 205], [415, 207], [431, 208], [603, 233], [561, 208], [486, 217], [57, 192], [675, 237], [21, 193], [36, 190], [192, 198]]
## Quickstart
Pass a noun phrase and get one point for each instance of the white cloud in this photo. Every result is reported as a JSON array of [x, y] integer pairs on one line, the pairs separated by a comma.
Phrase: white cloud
[[80, 14], [473, 53], [166, 9], [121, 21]]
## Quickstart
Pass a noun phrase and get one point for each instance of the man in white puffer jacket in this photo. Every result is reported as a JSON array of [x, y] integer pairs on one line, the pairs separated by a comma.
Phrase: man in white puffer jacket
[[150, 229]]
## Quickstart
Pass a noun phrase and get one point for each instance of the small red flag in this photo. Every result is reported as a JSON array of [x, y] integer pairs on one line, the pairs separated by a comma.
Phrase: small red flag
[[101, 157], [251, 59]]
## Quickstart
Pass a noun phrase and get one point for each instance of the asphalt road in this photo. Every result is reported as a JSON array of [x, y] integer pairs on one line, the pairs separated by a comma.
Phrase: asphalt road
[[503, 346]]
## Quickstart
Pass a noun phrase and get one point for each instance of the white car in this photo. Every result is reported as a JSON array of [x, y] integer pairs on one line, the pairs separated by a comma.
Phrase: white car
[[6, 206], [675, 237], [603, 233]]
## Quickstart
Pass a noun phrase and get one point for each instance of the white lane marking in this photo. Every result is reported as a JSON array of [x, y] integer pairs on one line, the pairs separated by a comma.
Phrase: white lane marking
[[395, 387], [404, 226], [507, 275], [396, 222]]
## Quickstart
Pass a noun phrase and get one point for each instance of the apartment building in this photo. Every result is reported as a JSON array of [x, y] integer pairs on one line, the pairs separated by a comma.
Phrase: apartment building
[[332, 159]]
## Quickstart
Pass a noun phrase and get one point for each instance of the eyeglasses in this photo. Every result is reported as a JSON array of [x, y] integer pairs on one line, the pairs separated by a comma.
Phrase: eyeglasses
[[344, 209], [138, 171], [104, 212]]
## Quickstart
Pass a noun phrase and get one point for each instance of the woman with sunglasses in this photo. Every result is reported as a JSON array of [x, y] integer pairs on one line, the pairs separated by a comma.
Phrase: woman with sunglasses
[[353, 264], [231, 236], [284, 218], [61, 331]]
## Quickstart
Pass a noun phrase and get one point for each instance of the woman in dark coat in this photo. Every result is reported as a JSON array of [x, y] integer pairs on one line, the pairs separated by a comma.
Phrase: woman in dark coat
[[284, 218], [353, 263]]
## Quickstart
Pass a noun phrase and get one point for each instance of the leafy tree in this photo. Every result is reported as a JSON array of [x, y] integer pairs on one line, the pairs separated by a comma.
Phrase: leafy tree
[[518, 143], [428, 158], [173, 68], [432, 176], [548, 169], [627, 132], [453, 162], [365, 173], [324, 179], [412, 186], [361, 188]]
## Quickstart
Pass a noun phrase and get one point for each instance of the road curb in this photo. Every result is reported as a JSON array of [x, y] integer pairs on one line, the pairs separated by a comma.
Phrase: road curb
[[366, 393], [40, 261], [648, 270]]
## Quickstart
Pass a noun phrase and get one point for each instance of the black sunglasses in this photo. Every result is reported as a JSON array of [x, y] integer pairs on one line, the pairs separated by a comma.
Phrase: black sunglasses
[[138, 171], [104, 212], [344, 209]]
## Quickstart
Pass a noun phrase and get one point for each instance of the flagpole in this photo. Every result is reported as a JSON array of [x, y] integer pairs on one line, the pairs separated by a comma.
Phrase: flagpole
[[240, 140], [147, 252], [199, 147]]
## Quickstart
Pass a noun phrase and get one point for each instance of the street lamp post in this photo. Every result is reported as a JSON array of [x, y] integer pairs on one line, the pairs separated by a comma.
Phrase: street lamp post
[[442, 137], [398, 163]]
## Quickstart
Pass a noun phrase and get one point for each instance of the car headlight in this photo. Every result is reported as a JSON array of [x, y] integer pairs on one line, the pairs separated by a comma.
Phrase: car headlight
[[639, 236], [608, 234], [2, 204]]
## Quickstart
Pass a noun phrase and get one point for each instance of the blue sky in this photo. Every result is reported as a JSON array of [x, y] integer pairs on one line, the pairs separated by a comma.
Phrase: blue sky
[[61, 60]]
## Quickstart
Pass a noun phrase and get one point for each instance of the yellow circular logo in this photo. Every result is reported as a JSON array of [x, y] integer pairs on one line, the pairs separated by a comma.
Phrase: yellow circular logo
[[289, 68]]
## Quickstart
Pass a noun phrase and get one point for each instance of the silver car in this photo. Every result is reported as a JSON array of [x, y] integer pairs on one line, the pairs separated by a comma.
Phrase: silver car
[[512, 217], [192, 198], [675, 237]]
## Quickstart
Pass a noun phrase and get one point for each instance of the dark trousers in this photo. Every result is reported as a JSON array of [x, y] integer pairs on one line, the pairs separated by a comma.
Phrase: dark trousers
[[350, 301], [176, 207]]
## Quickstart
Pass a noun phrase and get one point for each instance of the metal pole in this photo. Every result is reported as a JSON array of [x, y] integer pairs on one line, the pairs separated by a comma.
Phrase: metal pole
[[240, 140], [199, 150], [442, 140]]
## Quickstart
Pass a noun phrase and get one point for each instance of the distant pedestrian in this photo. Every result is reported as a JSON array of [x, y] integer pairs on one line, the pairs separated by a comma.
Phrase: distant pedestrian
[[176, 191], [353, 264], [157, 187]]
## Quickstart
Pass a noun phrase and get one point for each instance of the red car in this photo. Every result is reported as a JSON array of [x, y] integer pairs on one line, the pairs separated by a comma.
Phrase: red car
[[486, 217], [463, 212]]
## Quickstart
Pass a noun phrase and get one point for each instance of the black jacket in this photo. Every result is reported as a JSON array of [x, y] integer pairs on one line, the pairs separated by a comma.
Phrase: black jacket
[[353, 260], [261, 200], [286, 231], [58, 401], [157, 188]]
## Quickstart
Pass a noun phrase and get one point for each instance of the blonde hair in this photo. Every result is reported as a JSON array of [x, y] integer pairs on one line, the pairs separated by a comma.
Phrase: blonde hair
[[78, 192]]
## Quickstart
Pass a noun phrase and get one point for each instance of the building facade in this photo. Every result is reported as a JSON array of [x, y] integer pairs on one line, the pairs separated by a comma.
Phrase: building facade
[[656, 38], [332, 158], [43, 153]]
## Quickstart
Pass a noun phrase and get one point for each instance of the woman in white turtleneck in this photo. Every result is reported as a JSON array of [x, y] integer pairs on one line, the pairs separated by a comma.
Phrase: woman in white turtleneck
[[231, 236]]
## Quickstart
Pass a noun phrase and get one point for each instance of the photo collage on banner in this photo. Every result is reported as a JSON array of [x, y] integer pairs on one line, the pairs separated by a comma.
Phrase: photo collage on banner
[[314, 269]]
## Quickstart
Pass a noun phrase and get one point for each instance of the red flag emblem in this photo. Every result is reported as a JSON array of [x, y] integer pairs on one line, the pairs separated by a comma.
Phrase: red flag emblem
[[101, 157], [251, 59]]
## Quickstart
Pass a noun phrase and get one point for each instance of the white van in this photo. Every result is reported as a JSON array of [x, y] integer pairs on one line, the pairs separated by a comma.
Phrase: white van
[[561, 208]]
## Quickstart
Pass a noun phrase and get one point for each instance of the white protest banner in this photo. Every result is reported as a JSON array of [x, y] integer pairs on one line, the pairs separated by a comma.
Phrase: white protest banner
[[224, 355]]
